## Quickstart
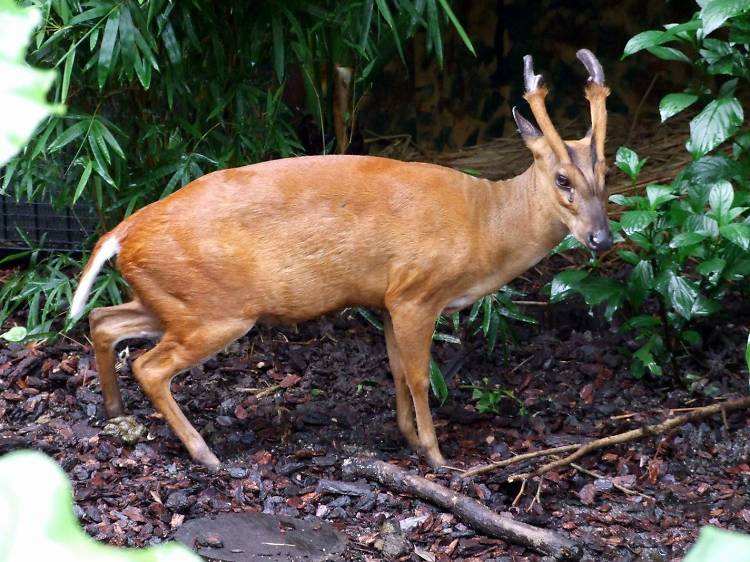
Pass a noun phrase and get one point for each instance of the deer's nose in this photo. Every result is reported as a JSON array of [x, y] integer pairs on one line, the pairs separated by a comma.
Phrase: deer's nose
[[600, 240]]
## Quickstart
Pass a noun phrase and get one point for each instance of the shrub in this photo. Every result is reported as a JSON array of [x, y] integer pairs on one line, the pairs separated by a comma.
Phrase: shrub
[[686, 243]]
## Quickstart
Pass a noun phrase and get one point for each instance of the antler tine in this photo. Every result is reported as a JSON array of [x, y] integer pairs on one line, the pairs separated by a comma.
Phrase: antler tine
[[596, 93], [535, 94]]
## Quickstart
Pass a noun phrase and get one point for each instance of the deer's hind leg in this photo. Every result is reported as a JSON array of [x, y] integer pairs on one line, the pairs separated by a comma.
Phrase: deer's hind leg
[[112, 324], [180, 349]]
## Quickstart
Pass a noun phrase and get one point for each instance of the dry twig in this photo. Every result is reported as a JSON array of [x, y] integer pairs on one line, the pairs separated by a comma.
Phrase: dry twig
[[469, 510]]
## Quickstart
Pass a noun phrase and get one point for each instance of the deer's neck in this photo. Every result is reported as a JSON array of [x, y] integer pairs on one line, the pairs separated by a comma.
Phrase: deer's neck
[[521, 226]]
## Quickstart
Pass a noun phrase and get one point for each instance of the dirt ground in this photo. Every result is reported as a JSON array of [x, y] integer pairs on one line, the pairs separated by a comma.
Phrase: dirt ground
[[334, 399]]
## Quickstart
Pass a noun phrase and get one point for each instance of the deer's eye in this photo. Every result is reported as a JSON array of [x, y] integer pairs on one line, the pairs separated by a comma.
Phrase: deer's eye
[[562, 182]]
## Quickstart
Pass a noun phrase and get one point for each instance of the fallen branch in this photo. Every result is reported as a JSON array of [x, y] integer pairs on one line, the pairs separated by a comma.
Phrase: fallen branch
[[633, 435], [580, 450], [469, 510]]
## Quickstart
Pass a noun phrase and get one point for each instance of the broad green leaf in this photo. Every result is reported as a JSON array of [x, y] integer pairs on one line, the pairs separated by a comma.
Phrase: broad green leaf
[[570, 242], [659, 194], [644, 40], [39, 523], [672, 104], [640, 282], [716, 12], [712, 269], [107, 48], [565, 283], [687, 239], [636, 221], [716, 123], [704, 306], [737, 232], [691, 337], [653, 38], [627, 160], [15, 334], [716, 545], [645, 356], [720, 199], [668, 53], [681, 294]]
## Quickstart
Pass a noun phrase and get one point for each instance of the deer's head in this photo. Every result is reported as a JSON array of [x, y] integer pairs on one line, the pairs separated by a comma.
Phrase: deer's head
[[570, 174]]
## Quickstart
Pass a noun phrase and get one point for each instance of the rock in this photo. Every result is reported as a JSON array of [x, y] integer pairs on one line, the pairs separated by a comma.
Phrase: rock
[[395, 546], [410, 523], [237, 472], [346, 488], [178, 501], [257, 536]]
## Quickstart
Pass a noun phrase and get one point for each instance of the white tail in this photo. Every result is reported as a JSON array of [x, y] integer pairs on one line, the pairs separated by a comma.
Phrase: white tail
[[109, 248]]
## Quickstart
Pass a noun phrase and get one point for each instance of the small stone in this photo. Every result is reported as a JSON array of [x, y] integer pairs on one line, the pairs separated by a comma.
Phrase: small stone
[[411, 523], [237, 472], [178, 501], [396, 545]]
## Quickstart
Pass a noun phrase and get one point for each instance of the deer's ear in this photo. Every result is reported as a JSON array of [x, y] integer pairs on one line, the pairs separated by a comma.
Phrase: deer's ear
[[525, 127]]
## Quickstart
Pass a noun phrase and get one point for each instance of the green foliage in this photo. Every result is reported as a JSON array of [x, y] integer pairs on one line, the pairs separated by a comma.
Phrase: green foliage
[[487, 398], [37, 521], [687, 242], [718, 544], [23, 89]]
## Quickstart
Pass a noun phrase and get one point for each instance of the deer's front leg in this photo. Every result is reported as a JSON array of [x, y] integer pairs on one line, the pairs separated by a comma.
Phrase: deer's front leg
[[412, 327]]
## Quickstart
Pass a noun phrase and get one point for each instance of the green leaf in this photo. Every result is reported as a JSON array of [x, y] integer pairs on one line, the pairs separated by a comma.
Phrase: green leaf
[[127, 40], [719, 545], [669, 53], [644, 40], [687, 239], [457, 26], [564, 283], [385, 11], [69, 62], [645, 356], [437, 382], [627, 160], [691, 337], [659, 194], [83, 181], [15, 334], [69, 135], [23, 89], [671, 104], [570, 242], [712, 269], [636, 221], [738, 233], [716, 123], [682, 295], [640, 282], [720, 200], [716, 12], [107, 48], [39, 520]]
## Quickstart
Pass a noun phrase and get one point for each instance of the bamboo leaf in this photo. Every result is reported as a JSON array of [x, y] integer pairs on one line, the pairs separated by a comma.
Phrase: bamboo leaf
[[107, 48], [83, 181]]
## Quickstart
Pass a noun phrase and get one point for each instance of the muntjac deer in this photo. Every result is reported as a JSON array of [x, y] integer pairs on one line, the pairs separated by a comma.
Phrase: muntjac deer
[[292, 239]]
